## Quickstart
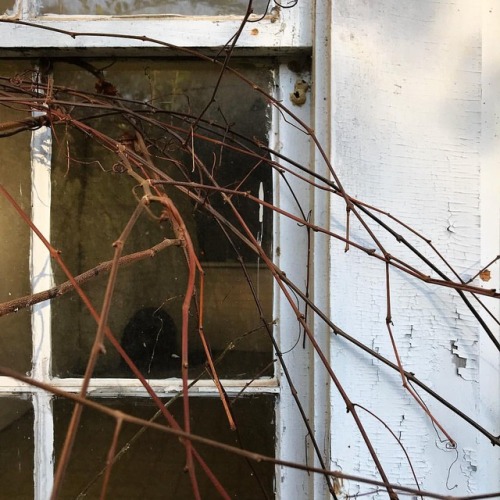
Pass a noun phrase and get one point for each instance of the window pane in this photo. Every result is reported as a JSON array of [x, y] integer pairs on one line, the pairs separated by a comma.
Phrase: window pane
[[16, 448], [153, 465], [151, 7], [6, 5], [15, 174], [93, 200]]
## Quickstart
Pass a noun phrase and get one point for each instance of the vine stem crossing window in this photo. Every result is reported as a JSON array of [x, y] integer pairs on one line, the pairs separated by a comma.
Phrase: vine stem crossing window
[[69, 178]]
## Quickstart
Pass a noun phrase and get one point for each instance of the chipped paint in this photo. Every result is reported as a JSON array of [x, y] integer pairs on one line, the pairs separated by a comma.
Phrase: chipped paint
[[407, 131], [465, 359], [469, 468]]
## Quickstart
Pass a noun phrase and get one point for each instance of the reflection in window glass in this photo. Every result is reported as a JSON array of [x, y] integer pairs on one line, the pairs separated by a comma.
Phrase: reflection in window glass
[[93, 200], [15, 174], [153, 463], [152, 7], [16, 448], [7, 7]]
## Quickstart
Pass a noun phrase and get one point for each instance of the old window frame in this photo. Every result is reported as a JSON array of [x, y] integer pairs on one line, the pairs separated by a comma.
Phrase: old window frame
[[284, 33]]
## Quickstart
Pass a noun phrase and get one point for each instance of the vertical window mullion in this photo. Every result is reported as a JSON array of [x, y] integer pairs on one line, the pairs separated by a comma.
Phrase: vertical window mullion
[[41, 279], [27, 8], [291, 443], [322, 117], [40, 264], [44, 448]]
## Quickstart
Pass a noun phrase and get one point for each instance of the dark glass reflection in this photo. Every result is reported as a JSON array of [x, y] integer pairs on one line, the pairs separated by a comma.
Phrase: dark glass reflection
[[152, 464], [16, 448], [93, 200], [15, 175], [150, 339]]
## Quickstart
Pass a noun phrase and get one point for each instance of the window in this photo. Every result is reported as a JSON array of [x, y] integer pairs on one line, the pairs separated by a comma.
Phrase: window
[[81, 198]]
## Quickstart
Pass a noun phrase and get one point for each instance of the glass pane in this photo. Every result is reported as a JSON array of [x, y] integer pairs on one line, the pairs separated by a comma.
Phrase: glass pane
[[93, 200], [16, 448], [15, 174], [152, 466], [7, 7], [152, 7]]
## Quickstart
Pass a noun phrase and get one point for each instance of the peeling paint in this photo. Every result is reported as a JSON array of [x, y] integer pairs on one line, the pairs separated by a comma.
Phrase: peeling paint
[[469, 468], [407, 131], [465, 359]]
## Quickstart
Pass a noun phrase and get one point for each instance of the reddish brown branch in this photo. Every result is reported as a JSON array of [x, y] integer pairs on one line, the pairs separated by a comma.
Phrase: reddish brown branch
[[29, 300]]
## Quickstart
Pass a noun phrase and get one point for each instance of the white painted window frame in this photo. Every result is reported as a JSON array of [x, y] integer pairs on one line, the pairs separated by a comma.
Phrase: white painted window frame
[[275, 34], [292, 32]]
